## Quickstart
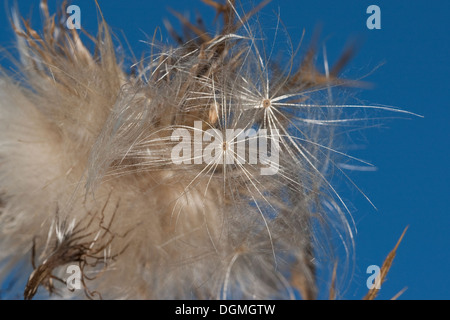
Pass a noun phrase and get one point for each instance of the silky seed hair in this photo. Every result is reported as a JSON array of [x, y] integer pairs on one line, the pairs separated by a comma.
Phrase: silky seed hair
[[88, 177]]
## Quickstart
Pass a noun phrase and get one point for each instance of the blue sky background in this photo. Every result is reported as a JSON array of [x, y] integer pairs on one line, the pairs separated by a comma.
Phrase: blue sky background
[[411, 184]]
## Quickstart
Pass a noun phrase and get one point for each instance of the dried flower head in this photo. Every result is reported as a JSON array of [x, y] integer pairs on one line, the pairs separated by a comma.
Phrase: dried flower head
[[219, 155]]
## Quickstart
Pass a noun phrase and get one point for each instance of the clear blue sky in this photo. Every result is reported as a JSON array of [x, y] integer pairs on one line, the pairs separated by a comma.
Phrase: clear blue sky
[[411, 184]]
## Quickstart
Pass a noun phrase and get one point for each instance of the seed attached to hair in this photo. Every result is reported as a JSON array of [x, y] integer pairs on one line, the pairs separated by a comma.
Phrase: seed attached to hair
[[266, 103]]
